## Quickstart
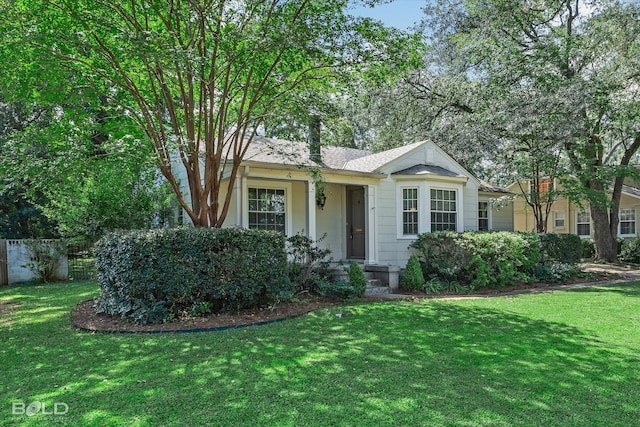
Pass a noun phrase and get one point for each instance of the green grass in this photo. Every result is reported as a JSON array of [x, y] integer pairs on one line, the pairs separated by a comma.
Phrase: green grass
[[554, 359]]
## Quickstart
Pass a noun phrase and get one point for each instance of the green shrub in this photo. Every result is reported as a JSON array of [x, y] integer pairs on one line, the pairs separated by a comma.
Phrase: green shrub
[[482, 260], [588, 248], [308, 264], [433, 286], [357, 279], [413, 278], [441, 254], [155, 275], [480, 275], [339, 289], [562, 248], [630, 250], [556, 272]]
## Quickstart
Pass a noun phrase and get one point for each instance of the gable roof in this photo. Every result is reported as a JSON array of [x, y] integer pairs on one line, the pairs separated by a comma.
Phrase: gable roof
[[426, 170], [280, 151], [373, 162], [294, 153]]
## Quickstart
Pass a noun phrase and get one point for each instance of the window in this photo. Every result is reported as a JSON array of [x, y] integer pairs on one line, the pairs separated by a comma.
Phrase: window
[[421, 208], [558, 220], [443, 210], [583, 224], [409, 211], [483, 216], [545, 185], [627, 222], [267, 209]]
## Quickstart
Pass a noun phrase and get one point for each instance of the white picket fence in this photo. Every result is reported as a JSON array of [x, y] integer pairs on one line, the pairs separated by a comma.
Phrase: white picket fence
[[14, 257]]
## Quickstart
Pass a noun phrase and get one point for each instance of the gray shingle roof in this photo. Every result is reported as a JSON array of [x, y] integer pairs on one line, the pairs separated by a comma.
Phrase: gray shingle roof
[[292, 153], [426, 170], [373, 162], [491, 188], [632, 191], [270, 150]]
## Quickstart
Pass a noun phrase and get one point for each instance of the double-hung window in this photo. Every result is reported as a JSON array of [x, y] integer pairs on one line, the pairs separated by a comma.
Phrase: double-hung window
[[483, 216], [558, 220], [410, 211], [267, 209], [627, 222], [443, 210], [583, 224]]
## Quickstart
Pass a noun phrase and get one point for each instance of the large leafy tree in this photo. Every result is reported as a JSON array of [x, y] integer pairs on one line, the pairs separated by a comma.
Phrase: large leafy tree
[[20, 216], [199, 77], [572, 67], [68, 170]]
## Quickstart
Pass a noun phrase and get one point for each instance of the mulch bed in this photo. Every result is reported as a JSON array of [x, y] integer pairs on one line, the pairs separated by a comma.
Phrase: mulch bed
[[84, 317], [596, 276]]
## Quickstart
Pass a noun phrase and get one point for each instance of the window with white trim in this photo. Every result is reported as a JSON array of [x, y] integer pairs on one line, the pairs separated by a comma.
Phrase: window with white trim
[[410, 211], [443, 210], [627, 222], [583, 224], [558, 220], [544, 185], [483, 216], [267, 209]]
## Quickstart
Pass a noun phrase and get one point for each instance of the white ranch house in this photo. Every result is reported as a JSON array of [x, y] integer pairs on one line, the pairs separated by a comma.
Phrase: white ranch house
[[375, 204]]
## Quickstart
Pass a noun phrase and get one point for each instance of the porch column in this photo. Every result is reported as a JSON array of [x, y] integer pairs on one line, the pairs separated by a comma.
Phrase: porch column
[[239, 190], [371, 226], [311, 210]]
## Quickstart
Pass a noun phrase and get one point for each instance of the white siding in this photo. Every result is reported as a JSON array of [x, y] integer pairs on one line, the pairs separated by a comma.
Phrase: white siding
[[502, 218], [298, 208], [331, 220], [391, 249], [470, 201]]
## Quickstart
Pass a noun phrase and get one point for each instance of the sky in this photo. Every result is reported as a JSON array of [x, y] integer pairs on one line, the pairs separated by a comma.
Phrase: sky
[[401, 14]]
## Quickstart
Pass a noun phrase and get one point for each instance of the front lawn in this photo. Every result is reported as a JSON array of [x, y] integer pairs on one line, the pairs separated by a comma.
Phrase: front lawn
[[562, 358]]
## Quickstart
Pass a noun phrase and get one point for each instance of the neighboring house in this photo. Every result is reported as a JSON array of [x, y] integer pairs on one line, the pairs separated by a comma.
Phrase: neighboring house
[[566, 217], [373, 204]]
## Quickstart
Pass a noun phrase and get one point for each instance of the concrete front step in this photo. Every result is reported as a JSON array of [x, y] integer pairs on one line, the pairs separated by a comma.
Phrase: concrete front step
[[372, 291], [374, 283], [376, 275]]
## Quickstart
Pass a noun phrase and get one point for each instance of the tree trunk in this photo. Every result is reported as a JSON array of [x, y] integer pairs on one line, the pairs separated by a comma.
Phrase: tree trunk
[[604, 234]]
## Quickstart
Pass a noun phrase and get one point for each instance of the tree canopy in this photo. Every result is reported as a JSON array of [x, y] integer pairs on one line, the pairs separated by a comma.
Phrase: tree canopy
[[572, 64], [199, 77], [529, 90]]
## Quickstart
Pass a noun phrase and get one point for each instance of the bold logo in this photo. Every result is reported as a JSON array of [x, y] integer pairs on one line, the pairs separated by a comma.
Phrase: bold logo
[[18, 408]]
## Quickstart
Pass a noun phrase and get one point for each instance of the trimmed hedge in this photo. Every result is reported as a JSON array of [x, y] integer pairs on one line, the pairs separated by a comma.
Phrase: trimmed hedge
[[562, 248], [482, 260], [340, 289], [497, 259], [629, 250], [152, 276]]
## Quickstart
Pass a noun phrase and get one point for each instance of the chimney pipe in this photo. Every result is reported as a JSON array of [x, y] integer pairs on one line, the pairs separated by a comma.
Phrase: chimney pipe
[[314, 139]]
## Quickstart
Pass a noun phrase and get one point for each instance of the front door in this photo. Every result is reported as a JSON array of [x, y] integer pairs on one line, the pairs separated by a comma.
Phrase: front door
[[355, 223]]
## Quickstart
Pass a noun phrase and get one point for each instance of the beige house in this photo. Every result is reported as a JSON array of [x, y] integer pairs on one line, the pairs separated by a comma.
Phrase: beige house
[[565, 217], [371, 205]]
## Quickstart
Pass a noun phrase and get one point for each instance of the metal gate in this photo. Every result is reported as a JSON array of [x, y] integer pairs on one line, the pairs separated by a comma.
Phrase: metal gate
[[4, 273]]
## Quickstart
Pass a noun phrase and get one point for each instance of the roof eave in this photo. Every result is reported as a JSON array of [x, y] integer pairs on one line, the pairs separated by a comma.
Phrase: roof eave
[[458, 178], [323, 169]]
